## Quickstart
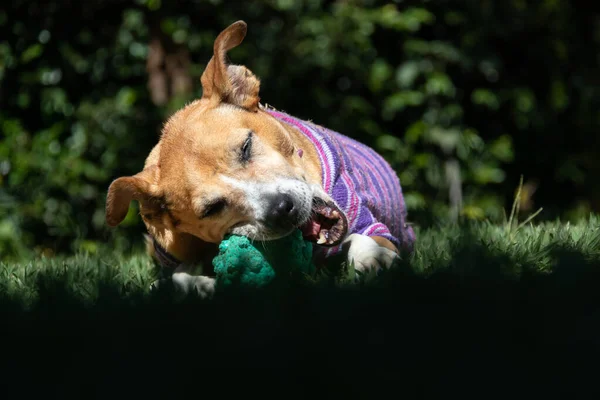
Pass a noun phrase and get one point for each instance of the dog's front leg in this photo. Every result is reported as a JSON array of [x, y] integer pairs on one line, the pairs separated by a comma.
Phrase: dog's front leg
[[369, 255]]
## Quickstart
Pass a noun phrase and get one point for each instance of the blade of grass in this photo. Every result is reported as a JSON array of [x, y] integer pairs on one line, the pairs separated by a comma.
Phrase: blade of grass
[[516, 202]]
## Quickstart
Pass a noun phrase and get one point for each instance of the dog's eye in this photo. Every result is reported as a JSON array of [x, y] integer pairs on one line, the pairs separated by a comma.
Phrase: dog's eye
[[246, 149], [214, 208]]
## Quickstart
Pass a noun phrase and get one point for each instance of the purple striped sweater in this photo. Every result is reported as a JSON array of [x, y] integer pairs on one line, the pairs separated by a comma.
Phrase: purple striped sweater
[[361, 182]]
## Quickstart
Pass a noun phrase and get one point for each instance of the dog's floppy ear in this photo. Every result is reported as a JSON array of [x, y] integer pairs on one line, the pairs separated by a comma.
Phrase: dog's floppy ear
[[125, 189], [234, 84]]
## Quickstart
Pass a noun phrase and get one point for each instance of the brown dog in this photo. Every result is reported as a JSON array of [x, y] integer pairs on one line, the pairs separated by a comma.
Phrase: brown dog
[[227, 164]]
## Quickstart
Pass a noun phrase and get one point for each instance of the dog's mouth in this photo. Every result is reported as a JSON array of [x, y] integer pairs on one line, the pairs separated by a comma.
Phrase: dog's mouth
[[327, 224]]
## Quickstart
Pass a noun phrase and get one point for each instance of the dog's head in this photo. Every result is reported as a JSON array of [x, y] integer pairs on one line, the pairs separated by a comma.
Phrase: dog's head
[[225, 165]]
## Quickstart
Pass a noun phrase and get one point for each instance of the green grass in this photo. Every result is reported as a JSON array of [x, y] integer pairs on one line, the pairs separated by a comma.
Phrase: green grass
[[470, 298], [480, 249]]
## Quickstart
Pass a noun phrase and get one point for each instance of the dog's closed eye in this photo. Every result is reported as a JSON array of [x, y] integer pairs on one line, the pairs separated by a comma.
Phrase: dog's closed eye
[[246, 149], [213, 208]]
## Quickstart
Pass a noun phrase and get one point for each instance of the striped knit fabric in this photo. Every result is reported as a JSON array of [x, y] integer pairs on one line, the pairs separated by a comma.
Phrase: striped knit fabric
[[362, 183]]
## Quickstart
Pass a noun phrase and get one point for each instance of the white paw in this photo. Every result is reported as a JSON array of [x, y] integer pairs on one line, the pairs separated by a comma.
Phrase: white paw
[[185, 284], [204, 286], [369, 258]]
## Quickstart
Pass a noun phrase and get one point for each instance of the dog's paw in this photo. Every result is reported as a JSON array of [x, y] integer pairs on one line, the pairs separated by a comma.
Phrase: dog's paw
[[368, 257], [203, 286], [186, 284]]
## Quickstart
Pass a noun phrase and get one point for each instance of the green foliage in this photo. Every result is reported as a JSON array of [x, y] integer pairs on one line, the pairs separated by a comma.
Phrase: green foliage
[[446, 92]]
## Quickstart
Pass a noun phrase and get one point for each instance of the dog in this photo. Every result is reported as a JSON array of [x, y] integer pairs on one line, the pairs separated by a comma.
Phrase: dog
[[227, 164]]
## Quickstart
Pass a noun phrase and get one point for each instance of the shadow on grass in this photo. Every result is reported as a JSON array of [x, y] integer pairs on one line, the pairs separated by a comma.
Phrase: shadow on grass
[[481, 318]]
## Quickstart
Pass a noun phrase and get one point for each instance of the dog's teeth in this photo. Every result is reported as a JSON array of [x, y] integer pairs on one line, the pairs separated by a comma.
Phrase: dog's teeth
[[322, 238]]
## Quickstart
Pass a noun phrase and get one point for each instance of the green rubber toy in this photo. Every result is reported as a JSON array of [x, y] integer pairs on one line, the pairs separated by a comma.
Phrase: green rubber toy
[[242, 262]]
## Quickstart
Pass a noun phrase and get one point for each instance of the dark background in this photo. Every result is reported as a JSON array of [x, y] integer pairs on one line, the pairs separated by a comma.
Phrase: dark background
[[466, 93]]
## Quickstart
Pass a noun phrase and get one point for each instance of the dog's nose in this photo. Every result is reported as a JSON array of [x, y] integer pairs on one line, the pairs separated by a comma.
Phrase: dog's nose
[[282, 206]]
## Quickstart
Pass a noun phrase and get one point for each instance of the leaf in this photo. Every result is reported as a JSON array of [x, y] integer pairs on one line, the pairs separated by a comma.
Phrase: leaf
[[421, 160], [400, 100], [473, 212], [439, 83], [486, 98], [502, 148], [126, 97], [524, 99], [559, 97], [488, 174], [415, 131], [380, 72], [409, 19], [31, 53], [446, 139], [388, 142], [414, 200], [407, 73]]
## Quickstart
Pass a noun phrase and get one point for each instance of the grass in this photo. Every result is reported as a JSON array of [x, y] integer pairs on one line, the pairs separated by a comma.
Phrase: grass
[[470, 298]]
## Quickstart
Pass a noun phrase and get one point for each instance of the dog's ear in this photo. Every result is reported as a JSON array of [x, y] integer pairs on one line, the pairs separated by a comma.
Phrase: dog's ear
[[125, 189], [234, 84]]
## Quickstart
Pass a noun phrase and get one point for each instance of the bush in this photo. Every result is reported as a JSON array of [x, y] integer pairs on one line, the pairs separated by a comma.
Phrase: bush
[[451, 94]]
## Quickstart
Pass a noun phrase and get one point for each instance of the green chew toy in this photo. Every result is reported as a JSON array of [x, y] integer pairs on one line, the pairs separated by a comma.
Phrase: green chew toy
[[256, 264]]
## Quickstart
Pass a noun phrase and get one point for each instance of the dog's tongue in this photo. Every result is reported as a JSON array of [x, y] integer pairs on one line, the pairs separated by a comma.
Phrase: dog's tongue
[[311, 229], [327, 226]]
